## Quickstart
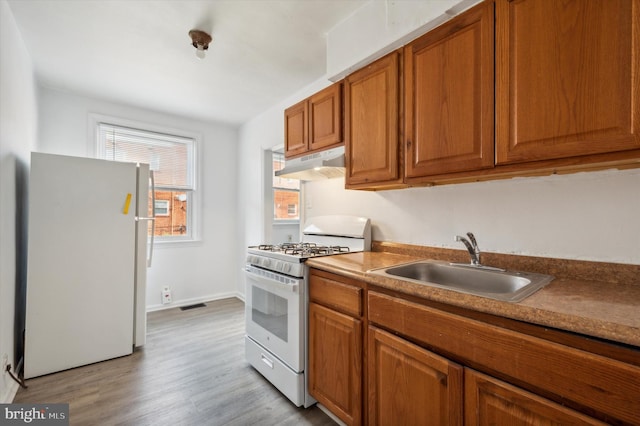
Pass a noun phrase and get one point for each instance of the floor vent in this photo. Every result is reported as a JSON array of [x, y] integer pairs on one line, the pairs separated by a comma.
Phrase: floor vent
[[197, 305]]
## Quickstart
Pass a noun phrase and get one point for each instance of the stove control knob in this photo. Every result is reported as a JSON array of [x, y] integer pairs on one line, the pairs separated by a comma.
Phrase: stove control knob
[[266, 262], [286, 267]]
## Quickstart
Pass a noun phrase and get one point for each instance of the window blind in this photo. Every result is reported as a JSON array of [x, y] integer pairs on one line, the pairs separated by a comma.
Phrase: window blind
[[169, 156]]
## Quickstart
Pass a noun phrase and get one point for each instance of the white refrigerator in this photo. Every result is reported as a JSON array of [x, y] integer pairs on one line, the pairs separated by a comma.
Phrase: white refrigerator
[[87, 261]]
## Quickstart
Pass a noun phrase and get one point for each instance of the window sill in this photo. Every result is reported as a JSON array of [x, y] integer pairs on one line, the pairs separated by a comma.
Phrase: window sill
[[286, 222], [177, 243]]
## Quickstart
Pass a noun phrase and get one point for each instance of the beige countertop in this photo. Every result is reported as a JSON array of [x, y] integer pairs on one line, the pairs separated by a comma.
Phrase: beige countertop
[[607, 310]]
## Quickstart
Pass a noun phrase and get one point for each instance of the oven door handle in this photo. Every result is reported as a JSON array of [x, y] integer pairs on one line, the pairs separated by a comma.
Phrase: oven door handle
[[268, 283]]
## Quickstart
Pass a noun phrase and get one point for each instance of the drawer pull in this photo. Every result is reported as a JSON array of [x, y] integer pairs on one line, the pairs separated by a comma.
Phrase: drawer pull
[[267, 361]]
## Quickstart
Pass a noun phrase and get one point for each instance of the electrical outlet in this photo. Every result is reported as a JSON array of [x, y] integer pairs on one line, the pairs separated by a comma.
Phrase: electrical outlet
[[166, 295], [5, 362]]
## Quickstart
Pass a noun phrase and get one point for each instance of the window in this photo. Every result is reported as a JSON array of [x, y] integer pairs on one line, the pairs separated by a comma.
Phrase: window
[[162, 207], [286, 194], [172, 160]]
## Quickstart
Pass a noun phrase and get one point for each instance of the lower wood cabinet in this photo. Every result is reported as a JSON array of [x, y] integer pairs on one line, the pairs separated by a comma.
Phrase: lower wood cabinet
[[489, 401], [409, 385], [335, 347], [550, 373], [378, 358], [335, 360]]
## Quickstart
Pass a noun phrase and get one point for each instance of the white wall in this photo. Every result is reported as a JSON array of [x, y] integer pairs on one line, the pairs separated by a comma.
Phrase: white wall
[[285, 233], [379, 27], [263, 132], [586, 216], [195, 272], [18, 133]]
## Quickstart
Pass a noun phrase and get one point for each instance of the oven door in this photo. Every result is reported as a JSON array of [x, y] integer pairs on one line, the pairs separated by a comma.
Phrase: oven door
[[274, 309]]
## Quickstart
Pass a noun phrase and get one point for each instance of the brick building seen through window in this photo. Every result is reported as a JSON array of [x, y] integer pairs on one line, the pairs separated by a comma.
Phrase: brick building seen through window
[[171, 213], [286, 194]]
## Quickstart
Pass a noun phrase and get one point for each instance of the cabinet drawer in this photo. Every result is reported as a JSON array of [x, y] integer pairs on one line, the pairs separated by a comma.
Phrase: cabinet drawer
[[325, 289], [599, 386]]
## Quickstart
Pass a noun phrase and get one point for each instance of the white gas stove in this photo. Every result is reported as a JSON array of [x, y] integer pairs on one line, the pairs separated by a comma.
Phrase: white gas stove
[[277, 299], [321, 236]]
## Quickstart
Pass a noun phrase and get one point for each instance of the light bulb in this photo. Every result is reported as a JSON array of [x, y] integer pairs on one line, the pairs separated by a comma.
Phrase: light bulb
[[200, 52]]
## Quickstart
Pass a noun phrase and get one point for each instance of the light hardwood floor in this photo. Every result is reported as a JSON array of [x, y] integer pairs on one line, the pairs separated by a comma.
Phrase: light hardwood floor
[[192, 371]]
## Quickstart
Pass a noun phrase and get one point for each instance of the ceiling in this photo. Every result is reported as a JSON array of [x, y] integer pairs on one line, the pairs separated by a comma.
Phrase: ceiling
[[138, 52]]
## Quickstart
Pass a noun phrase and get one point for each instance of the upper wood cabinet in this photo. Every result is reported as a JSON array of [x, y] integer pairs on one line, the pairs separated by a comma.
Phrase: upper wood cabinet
[[568, 78], [449, 96], [314, 123], [371, 125], [296, 129], [507, 88]]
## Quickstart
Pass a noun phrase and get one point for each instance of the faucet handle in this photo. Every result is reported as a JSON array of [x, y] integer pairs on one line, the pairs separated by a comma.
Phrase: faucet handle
[[472, 238]]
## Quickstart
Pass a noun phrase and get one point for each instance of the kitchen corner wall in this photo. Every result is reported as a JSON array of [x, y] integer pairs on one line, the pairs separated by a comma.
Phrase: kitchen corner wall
[[18, 133], [379, 27], [197, 271], [261, 133]]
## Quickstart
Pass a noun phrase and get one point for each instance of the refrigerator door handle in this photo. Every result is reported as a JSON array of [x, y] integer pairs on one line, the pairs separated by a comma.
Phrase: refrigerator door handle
[[153, 214], [152, 218]]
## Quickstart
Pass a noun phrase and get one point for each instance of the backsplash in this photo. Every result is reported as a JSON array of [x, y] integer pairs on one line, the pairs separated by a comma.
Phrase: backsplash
[[583, 216]]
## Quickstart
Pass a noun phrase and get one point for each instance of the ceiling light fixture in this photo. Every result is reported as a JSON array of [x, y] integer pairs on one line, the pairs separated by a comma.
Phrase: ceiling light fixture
[[200, 40]]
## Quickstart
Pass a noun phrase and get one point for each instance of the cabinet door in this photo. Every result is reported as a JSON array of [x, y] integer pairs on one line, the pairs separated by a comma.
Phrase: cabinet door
[[409, 385], [325, 118], [296, 130], [371, 123], [489, 401], [335, 362], [449, 100], [567, 78]]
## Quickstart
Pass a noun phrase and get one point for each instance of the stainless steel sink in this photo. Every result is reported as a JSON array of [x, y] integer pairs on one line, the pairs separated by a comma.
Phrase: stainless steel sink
[[510, 286]]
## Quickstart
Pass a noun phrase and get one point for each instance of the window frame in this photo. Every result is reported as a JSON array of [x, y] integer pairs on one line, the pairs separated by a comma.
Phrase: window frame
[[288, 221], [194, 195]]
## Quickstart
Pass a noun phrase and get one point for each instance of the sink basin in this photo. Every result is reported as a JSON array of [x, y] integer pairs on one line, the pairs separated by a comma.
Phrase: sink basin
[[510, 286]]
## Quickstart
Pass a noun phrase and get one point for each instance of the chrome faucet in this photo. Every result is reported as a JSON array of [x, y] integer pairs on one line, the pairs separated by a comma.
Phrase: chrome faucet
[[472, 248]]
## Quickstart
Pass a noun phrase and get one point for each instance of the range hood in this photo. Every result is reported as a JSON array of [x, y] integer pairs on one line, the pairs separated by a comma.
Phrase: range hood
[[326, 164]]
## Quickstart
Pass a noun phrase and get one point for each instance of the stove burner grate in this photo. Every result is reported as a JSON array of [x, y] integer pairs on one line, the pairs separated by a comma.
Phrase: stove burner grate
[[304, 249]]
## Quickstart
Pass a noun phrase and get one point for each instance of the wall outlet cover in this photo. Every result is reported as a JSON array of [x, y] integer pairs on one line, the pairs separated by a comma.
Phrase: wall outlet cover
[[166, 296]]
